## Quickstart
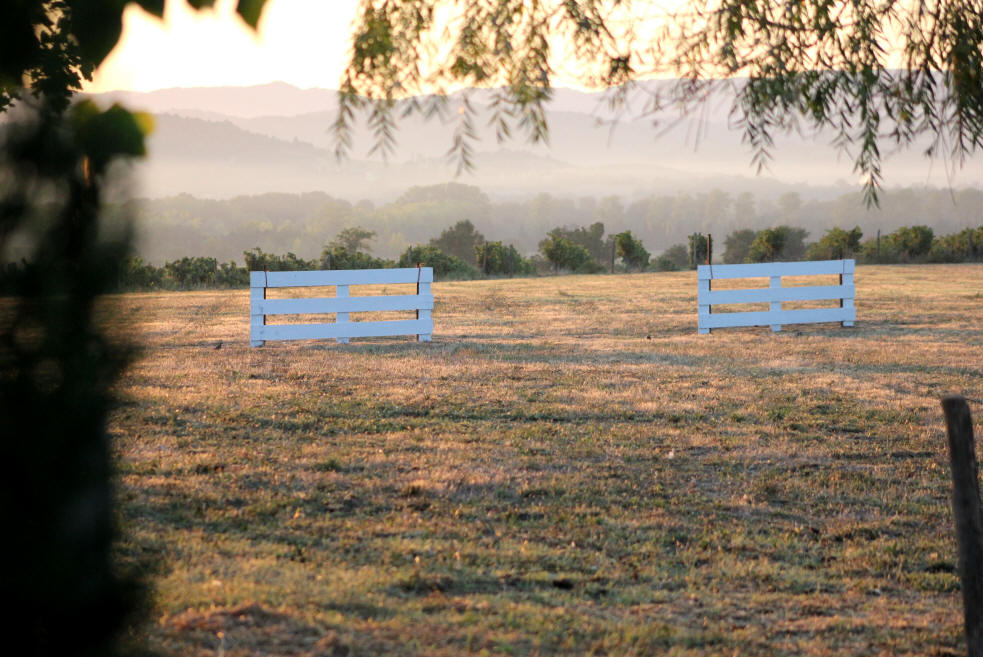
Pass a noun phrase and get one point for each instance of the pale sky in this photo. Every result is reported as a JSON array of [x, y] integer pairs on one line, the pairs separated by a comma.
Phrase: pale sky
[[302, 42]]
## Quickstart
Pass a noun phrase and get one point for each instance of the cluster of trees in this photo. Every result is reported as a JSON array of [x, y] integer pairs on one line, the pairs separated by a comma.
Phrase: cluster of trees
[[187, 273], [460, 252], [471, 252], [771, 244], [587, 250]]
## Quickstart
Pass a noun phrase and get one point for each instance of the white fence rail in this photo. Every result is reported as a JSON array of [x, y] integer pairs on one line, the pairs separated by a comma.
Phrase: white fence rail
[[341, 304], [775, 294]]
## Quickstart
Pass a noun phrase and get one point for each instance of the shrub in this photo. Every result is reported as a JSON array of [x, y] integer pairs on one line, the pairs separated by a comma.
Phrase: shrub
[[737, 246], [591, 238], [135, 274], [697, 250], [341, 257], [566, 255], [231, 275], [256, 260], [444, 265], [631, 251], [779, 243], [965, 245], [352, 239], [496, 259], [836, 244], [460, 240], [188, 273], [674, 258]]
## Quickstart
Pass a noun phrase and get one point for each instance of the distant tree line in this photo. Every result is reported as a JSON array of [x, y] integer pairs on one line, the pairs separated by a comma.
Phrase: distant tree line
[[179, 226], [461, 252], [908, 244]]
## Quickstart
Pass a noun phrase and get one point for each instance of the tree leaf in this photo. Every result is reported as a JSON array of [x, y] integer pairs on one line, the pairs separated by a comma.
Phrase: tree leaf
[[104, 136], [251, 11]]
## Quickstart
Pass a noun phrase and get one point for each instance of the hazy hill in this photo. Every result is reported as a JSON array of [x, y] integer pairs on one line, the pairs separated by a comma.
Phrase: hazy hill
[[275, 98], [220, 159], [221, 142]]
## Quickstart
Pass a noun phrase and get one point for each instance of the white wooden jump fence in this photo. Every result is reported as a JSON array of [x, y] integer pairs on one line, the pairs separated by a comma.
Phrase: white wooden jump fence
[[341, 304], [775, 294]]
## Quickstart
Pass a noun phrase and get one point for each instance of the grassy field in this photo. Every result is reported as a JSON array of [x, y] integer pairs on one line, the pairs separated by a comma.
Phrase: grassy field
[[567, 469]]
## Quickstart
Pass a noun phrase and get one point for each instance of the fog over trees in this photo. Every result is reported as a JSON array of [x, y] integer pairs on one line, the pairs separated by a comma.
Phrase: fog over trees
[[231, 169], [230, 141], [182, 225]]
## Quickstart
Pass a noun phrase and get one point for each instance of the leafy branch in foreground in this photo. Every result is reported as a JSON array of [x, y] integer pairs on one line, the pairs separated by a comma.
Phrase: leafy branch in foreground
[[868, 72], [58, 364], [58, 368], [48, 47]]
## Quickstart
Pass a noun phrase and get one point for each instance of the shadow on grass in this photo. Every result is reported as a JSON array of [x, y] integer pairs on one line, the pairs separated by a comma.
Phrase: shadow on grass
[[252, 629]]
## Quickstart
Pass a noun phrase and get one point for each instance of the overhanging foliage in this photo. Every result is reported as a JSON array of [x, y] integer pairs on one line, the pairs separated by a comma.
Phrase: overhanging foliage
[[872, 72]]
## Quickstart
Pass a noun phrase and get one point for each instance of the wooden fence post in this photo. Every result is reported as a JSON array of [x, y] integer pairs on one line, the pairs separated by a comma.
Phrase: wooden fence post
[[969, 521]]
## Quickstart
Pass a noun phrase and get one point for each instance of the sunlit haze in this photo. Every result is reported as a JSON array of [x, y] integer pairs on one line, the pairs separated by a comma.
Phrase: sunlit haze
[[302, 42]]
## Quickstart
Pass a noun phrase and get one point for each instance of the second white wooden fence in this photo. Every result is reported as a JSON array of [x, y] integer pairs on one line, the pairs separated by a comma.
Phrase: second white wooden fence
[[340, 305], [775, 294]]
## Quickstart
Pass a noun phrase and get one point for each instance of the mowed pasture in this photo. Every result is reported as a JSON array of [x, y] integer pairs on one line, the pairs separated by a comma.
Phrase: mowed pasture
[[567, 469]]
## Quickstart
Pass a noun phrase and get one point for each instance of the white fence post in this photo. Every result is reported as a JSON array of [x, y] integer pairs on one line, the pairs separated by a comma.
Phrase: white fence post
[[775, 306], [846, 280], [341, 305], [774, 295], [257, 293], [341, 291], [703, 309], [423, 314]]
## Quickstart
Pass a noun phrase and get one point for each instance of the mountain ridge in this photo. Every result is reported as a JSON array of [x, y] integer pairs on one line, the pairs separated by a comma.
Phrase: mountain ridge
[[627, 156]]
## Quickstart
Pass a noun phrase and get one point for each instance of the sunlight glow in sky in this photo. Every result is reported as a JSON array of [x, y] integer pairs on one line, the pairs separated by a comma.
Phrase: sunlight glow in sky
[[302, 42]]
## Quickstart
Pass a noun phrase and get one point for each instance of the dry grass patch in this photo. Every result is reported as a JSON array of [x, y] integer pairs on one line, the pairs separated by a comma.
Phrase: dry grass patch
[[568, 469]]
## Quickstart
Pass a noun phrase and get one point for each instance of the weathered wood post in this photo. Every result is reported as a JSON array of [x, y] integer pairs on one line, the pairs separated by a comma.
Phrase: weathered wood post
[[969, 520]]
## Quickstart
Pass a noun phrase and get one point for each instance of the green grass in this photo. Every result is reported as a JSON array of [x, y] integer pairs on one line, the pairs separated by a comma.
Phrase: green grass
[[568, 469]]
